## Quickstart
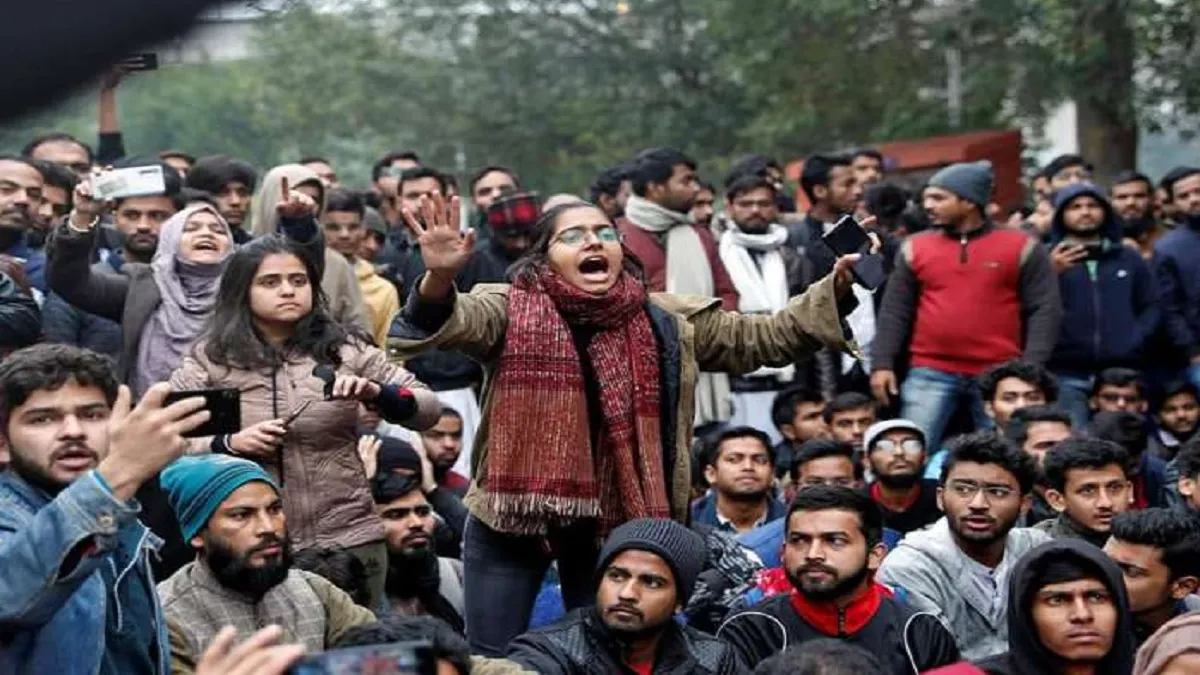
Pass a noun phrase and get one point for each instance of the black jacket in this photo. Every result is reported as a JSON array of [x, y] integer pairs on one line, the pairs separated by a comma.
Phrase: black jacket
[[894, 632], [20, 318], [1026, 655], [580, 644]]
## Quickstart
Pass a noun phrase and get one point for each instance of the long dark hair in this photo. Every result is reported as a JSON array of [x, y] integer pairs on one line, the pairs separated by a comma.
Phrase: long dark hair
[[233, 341], [526, 267]]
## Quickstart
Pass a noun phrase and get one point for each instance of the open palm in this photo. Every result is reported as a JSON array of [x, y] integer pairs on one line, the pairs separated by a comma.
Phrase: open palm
[[444, 247]]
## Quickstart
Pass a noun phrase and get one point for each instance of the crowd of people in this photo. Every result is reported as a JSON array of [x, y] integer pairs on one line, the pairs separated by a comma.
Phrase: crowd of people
[[663, 427]]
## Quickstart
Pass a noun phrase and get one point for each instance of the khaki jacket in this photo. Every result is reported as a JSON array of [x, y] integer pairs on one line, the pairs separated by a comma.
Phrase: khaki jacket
[[697, 335]]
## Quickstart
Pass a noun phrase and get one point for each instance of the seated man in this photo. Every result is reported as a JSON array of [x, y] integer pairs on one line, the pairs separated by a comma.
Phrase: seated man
[[646, 573], [797, 413], [1158, 551], [443, 443], [418, 581], [230, 511], [1177, 414], [894, 450], [1147, 471], [848, 417], [76, 594], [1187, 477], [1037, 430], [1087, 485], [1069, 615], [834, 547], [740, 469]]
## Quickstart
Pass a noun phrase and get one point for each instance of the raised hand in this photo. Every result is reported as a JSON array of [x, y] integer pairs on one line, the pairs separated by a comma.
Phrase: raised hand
[[294, 204], [86, 207], [352, 387], [368, 452], [444, 247], [258, 655]]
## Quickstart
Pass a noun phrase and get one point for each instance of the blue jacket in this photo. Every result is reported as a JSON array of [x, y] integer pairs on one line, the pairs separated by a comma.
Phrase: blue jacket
[[704, 512], [1110, 306], [67, 324], [53, 598], [35, 263], [1177, 258]]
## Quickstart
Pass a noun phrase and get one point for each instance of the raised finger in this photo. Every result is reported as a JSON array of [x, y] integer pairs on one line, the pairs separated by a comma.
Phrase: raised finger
[[867, 222], [263, 638], [359, 385], [274, 428], [191, 422], [155, 396], [439, 210], [219, 649], [414, 225], [428, 214], [120, 408], [455, 214], [181, 409]]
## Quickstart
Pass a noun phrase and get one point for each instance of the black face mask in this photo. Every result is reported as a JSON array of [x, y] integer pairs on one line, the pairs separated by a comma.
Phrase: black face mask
[[233, 572]]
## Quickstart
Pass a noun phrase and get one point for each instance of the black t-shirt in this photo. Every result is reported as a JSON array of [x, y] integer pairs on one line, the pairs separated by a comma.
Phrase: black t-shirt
[[923, 512]]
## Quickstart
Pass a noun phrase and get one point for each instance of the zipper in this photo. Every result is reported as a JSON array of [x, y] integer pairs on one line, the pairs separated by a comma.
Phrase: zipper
[[842, 623], [962, 253]]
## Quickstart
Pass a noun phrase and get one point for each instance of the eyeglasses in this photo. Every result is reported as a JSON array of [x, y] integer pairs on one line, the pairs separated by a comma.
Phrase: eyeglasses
[[402, 512], [908, 445], [578, 236], [991, 493]]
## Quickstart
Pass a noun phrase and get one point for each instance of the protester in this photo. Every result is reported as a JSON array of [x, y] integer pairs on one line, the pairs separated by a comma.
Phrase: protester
[[867, 164], [419, 582], [933, 300], [62, 149], [1013, 385], [19, 203], [1177, 256], [798, 416], [1069, 613], [894, 450], [1177, 414], [822, 656], [510, 218], [342, 222], [1158, 552], [833, 549], [739, 473], [766, 274], [959, 569], [270, 332], [644, 575], [1173, 650], [1109, 296], [578, 272], [1146, 470], [392, 456], [231, 513], [1037, 430], [443, 443], [848, 416], [231, 183], [323, 168], [76, 559], [139, 220], [611, 191], [768, 168], [703, 208], [1132, 197], [339, 283], [1066, 170], [1088, 485], [179, 160], [486, 186], [57, 189]]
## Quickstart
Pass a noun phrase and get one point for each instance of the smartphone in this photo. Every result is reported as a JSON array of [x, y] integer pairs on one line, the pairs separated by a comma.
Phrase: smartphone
[[847, 237], [399, 658], [1093, 251], [224, 406], [136, 181], [142, 61]]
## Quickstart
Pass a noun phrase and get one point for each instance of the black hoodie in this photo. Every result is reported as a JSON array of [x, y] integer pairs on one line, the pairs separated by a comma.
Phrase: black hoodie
[[1026, 655]]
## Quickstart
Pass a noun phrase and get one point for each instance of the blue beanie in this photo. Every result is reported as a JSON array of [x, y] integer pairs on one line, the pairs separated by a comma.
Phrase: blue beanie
[[196, 486], [971, 181]]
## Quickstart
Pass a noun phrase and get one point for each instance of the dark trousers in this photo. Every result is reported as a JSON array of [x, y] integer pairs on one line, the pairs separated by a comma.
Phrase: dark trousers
[[503, 574]]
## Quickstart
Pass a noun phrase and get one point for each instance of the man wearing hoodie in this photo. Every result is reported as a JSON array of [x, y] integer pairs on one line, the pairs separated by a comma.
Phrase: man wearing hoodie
[[1087, 485], [1178, 258], [1109, 296], [960, 299], [1069, 615], [833, 547], [959, 568]]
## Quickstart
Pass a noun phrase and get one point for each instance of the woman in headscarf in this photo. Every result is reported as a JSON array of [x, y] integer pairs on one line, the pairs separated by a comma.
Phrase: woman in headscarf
[[589, 395], [338, 280]]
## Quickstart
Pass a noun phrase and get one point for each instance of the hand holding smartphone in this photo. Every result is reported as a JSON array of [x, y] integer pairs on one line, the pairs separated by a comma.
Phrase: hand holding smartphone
[[223, 405], [848, 237]]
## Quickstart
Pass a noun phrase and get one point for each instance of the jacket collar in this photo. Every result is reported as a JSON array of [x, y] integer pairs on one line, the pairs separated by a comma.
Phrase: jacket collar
[[672, 648], [834, 621]]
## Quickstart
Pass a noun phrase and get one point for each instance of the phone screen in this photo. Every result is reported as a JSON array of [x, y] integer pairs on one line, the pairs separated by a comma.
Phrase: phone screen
[[400, 658], [224, 405]]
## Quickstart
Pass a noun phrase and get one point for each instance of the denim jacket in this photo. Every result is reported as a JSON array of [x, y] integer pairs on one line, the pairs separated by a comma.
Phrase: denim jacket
[[53, 619]]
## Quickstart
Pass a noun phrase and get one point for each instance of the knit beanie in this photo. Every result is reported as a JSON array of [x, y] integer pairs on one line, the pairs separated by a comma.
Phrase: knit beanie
[[196, 486], [397, 454], [683, 550], [970, 180]]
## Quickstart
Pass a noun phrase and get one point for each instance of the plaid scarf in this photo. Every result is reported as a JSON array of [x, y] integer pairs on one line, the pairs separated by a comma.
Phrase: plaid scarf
[[543, 467]]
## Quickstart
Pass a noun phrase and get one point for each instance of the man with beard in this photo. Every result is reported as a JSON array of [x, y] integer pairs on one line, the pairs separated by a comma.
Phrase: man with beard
[[644, 576], [1132, 196], [611, 191], [443, 444], [1178, 266], [832, 550], [77, 595], [1087, 484], [895, 453], [418, 581], [958, 569], [739, 473], [1109, 295], [703, 208], [21, 185], [57, 193], [1158, 551], [1177, 413], [230, 511], [138, 219], [960, 299], [231, 183], [766, 274]]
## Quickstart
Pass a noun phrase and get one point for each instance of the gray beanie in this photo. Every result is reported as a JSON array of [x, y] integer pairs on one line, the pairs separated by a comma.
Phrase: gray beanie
[[683, 550], [970, 180]]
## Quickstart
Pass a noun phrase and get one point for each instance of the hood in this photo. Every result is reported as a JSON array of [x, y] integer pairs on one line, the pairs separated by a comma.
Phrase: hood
[[1025, 648], [263, 218], [1111, 226]]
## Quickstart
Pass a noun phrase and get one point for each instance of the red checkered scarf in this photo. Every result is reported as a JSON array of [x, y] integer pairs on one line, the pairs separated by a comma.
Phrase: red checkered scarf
[[543, 468]]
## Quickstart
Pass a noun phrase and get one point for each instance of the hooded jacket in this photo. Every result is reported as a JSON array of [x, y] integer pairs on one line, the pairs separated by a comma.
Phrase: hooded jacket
[[1026, 653], [338, 280], [930, 568], [1110, 306]]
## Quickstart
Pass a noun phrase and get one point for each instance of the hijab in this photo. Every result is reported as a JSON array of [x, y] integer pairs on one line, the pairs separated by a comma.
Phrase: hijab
[[264, 219], [187, 291]]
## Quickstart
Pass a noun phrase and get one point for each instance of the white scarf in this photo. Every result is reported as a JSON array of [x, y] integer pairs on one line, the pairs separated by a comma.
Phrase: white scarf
[[761, 290], [688, 272]]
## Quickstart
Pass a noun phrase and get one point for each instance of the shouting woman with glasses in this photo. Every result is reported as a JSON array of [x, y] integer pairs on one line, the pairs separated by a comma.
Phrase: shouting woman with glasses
[[588, 402]]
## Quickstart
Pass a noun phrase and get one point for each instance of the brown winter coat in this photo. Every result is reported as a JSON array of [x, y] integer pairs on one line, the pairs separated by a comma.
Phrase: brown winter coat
[[326, 496], [704, 338]]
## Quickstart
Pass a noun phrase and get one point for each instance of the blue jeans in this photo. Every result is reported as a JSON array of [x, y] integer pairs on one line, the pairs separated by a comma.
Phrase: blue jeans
[[930, 398], [1073, 395], [503, 575]]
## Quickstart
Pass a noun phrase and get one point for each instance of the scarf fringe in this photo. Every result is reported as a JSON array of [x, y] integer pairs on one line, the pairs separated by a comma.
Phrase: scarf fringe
[[533, 514]]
